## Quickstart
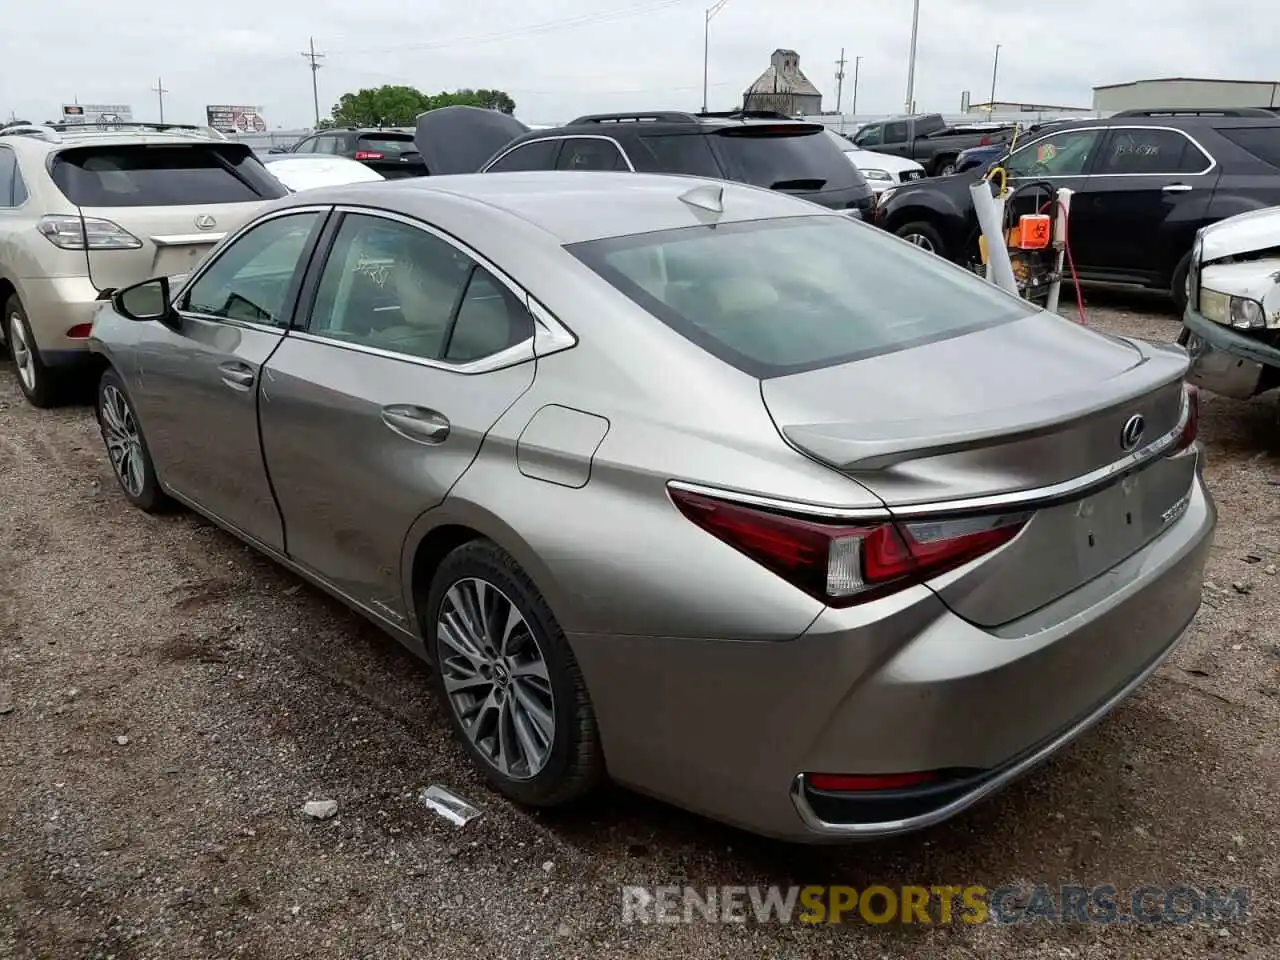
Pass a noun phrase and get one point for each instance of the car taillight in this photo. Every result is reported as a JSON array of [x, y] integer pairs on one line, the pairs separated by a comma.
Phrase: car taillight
[[844, 564], [984, 142], [86, 233], [80, 331], [1191, 425], [857, 783], [368, 155]]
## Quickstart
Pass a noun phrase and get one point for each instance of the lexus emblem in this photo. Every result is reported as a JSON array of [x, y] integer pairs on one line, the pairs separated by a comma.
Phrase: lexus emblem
[[1131, 435], [205, 221]]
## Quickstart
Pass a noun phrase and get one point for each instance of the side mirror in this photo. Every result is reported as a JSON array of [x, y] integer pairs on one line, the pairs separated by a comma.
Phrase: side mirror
[[148, 300]]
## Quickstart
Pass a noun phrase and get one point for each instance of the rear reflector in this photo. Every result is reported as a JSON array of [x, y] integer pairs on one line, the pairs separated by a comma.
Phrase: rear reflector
[[368, 155], [857, 783], [1191, 426], [79, 331], [844, 564]]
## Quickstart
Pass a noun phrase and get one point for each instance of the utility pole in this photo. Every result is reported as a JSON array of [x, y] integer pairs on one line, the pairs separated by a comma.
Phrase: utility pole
[[314, 59], [911, 60], [857, 62], [706, 46], [160, 91], [991, 104], [840, 80]]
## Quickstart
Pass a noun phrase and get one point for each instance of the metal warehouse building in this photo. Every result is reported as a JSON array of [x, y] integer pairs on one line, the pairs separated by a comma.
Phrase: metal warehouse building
[[1185, 93]]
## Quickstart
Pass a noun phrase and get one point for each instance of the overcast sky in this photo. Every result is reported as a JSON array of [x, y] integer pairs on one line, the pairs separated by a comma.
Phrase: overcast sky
[[559, 58]]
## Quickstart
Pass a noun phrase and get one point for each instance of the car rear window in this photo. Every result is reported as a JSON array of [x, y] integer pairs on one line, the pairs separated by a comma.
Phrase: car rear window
[[161, 175], [387, 143], [775, 297], [776, 158], [680, 153], [1262, 142]]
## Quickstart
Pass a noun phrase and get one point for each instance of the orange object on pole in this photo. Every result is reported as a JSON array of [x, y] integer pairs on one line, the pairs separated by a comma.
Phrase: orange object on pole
[[1035, 231]]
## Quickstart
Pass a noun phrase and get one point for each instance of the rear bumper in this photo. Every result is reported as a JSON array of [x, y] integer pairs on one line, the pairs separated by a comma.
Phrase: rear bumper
[[54, 306], [1226, 362], [728, 729]]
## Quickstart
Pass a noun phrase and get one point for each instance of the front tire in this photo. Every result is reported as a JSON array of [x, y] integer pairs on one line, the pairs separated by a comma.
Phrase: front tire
[[924, 236], [41, 386], [1178, 287], [509, 681], [127, 447]]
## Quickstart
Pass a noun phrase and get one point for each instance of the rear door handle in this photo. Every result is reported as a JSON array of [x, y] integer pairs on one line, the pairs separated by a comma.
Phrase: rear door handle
[[237, 375], [1176, 188], [416, 423]]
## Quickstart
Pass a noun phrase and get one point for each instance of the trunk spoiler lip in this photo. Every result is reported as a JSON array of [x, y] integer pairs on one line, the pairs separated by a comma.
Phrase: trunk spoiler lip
[[1031, 497], [855, 454]]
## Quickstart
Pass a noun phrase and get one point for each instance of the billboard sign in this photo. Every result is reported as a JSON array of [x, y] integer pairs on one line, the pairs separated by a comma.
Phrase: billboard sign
[[97, 114], [230, 119]]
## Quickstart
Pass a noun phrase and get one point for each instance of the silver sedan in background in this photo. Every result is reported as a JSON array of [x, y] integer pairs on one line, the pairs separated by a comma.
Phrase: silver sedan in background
[[689, 484]]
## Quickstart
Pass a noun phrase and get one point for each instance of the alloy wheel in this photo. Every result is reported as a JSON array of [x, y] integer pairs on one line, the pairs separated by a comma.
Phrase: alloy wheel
[[24, 357], [124, 443], [919, 240], [496, 678]]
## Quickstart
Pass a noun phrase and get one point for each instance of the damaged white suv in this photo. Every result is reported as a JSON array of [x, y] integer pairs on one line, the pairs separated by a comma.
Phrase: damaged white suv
[[1231, 327], [84, 211]]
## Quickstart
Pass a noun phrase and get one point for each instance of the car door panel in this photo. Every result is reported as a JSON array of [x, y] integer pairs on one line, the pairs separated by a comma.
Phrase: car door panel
[[371, 416], [1149, 192], [360, 444], [1061, 159], [196, 384]]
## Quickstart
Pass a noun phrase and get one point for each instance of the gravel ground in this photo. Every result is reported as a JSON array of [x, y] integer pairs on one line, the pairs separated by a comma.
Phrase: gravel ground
[[169, 701]]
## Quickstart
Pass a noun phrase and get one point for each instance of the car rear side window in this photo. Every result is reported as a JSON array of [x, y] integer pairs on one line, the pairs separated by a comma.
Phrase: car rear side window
[[774, 297], [1149, 150], [895, 133], [776, 158], [679, 153], [534, 155], [590, 153], [1262, 142], [162, 175], [8, 172]]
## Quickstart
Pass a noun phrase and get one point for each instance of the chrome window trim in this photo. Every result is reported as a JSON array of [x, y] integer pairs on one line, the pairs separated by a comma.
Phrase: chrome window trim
[[561, 137], [549, 334], [221, 247], [1053, 493], [1213, 162]]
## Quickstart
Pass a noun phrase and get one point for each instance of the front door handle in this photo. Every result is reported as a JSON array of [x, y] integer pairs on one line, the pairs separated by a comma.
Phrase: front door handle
[[1176, 188], [237, 375], [416, 423]]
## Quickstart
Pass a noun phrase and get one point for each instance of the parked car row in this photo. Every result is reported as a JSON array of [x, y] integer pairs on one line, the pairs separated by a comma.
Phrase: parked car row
[[1144, 186], [624, 455]]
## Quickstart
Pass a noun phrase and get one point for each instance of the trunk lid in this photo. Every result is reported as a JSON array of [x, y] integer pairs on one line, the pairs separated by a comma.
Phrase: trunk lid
[[178, 199], [1024, 406]]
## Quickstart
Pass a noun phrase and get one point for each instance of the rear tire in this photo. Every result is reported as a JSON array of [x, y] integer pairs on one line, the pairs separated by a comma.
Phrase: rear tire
[[515, 696], [127, 447], [41, 386], [944, 166], [924, 236]]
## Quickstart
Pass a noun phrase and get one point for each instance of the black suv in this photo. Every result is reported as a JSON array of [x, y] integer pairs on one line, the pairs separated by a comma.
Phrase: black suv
[[1143, 186], [762, 149], [391, 153]]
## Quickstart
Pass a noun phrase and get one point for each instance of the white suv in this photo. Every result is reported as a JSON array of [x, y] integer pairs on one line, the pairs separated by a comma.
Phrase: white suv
[[84, 211]]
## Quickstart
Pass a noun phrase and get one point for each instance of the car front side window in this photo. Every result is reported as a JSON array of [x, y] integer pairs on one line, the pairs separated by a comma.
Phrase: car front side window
[[1065, 154], [251, 279]]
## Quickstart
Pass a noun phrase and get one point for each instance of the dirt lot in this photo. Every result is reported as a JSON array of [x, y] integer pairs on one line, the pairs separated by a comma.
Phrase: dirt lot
[[243, 693]]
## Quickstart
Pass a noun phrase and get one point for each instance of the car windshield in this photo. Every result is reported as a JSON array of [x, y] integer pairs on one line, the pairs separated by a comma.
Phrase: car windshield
[[785, 157], [773, 297]]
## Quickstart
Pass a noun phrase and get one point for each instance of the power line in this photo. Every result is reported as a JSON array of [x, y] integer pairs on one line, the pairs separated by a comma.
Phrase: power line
[[583, 20], [314, 59]]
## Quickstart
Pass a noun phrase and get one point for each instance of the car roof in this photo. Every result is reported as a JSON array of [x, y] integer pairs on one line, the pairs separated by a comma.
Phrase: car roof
[[42, 139], [569, 206], [660, 122]]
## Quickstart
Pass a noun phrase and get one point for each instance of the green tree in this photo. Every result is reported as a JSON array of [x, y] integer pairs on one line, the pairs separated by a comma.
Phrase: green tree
[[399, 106], [389, 105]]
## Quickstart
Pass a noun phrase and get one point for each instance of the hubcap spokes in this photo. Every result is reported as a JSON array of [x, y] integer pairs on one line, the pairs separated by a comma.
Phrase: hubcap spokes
[[496, 678], [922, 242], [124, 445], [23, 358]]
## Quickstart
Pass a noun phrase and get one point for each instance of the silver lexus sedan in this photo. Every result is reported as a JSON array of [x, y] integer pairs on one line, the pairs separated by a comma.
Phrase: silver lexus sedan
[[695, 486]]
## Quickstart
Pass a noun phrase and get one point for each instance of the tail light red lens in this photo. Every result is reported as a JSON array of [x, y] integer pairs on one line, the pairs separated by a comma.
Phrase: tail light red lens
[[844, 564], [984, 142], [368, 155], [858, 783], [1191, 427], [80, 331]]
